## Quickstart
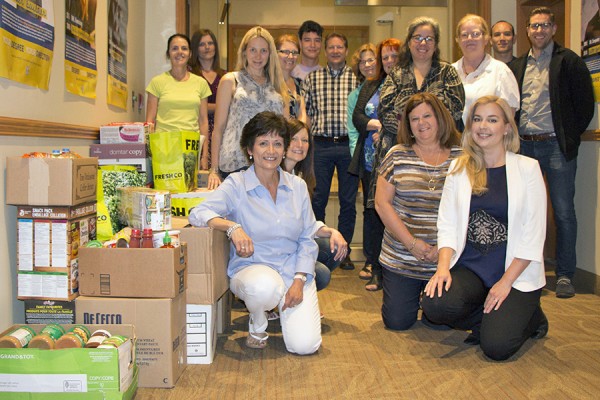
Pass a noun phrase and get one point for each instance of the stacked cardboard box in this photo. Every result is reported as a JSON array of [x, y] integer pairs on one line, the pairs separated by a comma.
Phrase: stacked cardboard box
[[134, 154], [48, 242], [146, 288], [56, 215], [207, 293]]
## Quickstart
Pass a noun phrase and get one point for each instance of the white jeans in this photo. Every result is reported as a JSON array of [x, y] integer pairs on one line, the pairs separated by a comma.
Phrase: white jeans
[[262, 288]]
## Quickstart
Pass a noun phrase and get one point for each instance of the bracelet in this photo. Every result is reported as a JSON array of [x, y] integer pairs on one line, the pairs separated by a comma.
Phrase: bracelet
[[231, 229], [413, 244]]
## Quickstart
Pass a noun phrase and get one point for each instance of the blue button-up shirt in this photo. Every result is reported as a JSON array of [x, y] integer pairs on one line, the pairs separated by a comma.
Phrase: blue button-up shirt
[[282, 231]]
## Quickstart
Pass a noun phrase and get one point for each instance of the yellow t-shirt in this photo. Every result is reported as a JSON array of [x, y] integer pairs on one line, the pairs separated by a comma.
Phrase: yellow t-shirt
[[178, 102]]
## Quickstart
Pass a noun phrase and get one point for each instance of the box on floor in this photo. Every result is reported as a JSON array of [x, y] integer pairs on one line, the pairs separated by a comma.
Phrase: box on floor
[[83, 373], [160, 329], [203, 323], [124, 272], [208, 256], [50, 181]]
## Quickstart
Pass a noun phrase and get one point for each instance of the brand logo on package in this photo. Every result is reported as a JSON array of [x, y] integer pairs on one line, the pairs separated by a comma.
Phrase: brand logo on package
[[86, 181], [181, 280], [72, 386], [104, 319]]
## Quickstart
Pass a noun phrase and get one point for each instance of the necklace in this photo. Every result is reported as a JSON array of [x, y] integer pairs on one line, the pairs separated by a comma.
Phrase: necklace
[[431, 182], [475, 69]]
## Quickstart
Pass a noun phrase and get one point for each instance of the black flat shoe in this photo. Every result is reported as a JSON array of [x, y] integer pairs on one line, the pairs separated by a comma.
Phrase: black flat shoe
[[542, 329], [472, 339], [375, 284], [347, 264]]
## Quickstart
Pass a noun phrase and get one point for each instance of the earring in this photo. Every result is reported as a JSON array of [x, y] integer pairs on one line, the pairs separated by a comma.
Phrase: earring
[[284, 156], [251, 156]]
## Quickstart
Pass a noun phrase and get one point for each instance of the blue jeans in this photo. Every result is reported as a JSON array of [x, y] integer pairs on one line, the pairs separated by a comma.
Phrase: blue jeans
[[560, 177], [401, 300], [328, 157]]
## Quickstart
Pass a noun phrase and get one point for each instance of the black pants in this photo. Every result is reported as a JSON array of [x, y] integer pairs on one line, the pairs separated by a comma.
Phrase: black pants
[[502, 332], [372, 228], [401, 300]]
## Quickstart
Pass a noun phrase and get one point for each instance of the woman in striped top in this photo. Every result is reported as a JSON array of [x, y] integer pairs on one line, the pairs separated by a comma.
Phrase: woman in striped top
[[409, 188]]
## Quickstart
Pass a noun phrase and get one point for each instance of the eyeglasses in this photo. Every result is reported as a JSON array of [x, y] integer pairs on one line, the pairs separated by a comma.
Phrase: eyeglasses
[[473, 35], [419, 39], [367, 61], [543, 25], [288, 53]]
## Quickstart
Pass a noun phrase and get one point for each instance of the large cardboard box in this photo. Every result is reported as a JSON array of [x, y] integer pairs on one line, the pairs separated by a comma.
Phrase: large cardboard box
[[35, 374], [208, 256], [50, 181], [125, 132], [118, 151], [160, 330], [124, 272]]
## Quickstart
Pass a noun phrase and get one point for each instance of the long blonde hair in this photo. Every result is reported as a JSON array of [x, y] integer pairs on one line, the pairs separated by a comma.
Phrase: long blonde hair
[[272, 69], [471, 159]]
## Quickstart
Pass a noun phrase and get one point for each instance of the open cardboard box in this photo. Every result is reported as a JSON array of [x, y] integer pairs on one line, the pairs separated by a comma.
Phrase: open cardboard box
[[58, 374]]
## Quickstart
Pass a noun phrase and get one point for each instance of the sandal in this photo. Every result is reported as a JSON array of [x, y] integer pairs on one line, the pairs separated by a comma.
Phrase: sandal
[[375, 283], [366, 272], [254, 341]]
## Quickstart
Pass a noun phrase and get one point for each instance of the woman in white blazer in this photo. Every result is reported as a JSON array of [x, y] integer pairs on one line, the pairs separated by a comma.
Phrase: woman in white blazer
[[491, 230]]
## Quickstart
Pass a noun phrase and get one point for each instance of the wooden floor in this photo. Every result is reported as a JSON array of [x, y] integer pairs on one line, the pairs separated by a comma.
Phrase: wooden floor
[[360, 359]]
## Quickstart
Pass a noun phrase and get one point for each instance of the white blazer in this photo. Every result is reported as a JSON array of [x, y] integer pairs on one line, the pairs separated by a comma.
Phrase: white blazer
[[526, 217]]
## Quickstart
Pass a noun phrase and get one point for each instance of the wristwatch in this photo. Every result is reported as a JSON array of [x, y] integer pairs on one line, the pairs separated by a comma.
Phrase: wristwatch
[[301, 277]]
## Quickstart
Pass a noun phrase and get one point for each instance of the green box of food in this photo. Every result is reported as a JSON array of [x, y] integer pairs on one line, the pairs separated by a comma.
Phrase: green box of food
[[35, 373]]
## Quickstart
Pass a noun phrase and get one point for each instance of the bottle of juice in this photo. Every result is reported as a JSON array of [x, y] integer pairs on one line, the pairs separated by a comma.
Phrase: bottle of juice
[[147, 236], [167, 242], [47, 337], [17, 338]]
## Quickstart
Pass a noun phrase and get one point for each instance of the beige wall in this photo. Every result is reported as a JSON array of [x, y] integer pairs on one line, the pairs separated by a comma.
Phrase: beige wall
[[146, 59]]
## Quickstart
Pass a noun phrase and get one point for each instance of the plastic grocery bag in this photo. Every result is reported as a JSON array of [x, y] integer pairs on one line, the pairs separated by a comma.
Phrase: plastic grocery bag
[[175, 160], [111, 177]]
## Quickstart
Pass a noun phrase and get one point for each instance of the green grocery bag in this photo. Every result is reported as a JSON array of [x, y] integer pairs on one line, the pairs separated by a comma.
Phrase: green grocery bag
[[175, 160], [111, 177]]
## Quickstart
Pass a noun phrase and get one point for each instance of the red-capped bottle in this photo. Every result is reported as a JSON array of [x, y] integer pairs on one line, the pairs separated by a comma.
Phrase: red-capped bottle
[[147, 239], [135, 241]]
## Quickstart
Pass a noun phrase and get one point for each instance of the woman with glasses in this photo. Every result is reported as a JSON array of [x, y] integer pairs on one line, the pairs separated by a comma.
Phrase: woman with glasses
[[419, 70], [367, 125], [288, 50], [205, 62], [256, 85], [479, 72]]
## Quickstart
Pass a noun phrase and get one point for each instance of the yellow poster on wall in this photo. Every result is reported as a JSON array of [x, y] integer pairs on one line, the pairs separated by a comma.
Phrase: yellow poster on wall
[[81, 73], [117, 53], [27, 41]]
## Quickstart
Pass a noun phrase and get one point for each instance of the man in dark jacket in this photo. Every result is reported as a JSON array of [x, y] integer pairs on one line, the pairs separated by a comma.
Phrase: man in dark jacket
[[557, 105]]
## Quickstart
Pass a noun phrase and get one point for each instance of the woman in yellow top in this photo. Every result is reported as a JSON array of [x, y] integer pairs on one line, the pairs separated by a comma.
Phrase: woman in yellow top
[[178, 99]]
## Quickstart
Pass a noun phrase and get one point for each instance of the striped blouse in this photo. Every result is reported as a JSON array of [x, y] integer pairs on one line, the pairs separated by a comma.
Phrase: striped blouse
[[416, 205]]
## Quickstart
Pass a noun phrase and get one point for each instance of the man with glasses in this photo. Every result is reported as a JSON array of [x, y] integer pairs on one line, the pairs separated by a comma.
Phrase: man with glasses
[[557, 105], [310, 35], [503, 41], [326, 93]]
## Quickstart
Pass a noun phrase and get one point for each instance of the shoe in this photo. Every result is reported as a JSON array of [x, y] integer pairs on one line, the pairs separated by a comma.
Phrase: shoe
[[366, 272], [542, 329], [272, 315], [347, 264], [257, 340], [564, 288], [375, 284], [472, 339]]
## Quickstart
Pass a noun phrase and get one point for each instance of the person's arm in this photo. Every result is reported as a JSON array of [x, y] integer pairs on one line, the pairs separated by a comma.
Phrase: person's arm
[[384, 205], [337, 243], [224, 97], [203, 124], [239, 238], [307, 248], [387, 110], [151, 108], [452, 93], [302, 110], [352, 131]]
